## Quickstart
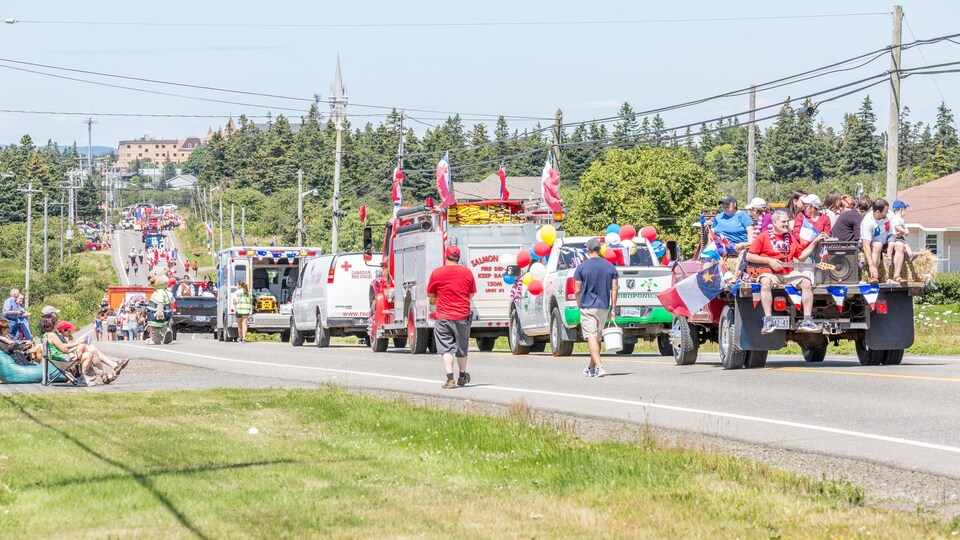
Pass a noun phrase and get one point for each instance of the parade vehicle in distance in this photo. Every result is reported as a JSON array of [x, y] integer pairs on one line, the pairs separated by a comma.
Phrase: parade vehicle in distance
[[271, 273], [553, 316], [331, 298], [413, 247]]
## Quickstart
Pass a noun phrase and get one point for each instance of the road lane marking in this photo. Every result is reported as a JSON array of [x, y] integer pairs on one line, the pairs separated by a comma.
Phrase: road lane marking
[[674, 408], [865, 374], [119, 259]]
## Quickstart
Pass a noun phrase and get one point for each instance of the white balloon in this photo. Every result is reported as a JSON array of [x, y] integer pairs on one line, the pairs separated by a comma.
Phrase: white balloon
[[508, 259], [539, 238], [612, 238], [630, 245], [538, 270]]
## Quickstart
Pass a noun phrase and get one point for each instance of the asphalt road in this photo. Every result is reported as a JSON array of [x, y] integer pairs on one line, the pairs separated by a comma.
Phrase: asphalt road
[[123, 241]]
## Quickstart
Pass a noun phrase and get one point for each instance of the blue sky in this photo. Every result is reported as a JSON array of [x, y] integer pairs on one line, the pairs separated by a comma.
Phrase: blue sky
[[586, 70]]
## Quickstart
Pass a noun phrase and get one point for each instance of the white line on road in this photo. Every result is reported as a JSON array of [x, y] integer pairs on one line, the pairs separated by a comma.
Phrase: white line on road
[[756, 419], [119, 259]]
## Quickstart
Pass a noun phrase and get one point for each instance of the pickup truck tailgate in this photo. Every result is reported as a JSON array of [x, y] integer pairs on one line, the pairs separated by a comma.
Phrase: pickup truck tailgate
[[639, 286]]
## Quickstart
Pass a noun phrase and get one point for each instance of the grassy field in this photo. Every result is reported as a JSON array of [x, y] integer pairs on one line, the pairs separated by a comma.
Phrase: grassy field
[[327, 463]]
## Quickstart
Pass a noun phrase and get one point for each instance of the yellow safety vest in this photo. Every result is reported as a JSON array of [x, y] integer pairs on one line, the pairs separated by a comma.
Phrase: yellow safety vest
[[242, 303]]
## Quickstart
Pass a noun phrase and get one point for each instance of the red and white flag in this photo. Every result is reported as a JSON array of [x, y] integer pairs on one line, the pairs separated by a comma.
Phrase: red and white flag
[[395, 193], [550, 186], [502, 173], [444, 182]]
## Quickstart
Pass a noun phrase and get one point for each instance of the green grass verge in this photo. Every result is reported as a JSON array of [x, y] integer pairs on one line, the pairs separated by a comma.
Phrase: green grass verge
[[329, 463]]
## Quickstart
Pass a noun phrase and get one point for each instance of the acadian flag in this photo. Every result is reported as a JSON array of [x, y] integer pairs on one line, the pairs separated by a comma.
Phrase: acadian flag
[[838, 293], [444, 182], [550, 186], [502, 173], [794, 294], [807, 232], [692, 293], [870, 294], [395, 191], [209, 227], [710, 252]]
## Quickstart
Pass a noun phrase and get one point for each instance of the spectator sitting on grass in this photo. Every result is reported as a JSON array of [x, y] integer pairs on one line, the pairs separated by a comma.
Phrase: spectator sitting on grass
[[66, 329], [62, 350], [8, 343]]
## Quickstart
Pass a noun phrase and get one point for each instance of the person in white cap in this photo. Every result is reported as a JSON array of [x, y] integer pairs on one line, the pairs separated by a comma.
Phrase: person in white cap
[[811, 212], [761, 213]]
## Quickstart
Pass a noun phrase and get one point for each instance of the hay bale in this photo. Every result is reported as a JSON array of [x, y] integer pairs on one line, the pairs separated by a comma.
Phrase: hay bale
[[730, 264], [923, 267]]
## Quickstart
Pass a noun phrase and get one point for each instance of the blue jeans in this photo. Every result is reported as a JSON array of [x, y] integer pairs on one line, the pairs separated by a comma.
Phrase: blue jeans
[[22, 325], [132, 334]]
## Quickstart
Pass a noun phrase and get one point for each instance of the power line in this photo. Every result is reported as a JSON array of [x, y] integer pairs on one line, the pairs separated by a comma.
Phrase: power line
[[924, 58], [134, 115]]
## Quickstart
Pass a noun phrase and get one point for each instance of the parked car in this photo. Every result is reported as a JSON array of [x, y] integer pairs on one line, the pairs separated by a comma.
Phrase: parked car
[[94, 246]]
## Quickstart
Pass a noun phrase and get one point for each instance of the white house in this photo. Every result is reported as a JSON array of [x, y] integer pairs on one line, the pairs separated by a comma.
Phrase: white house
[[934, 219], [182, 181]]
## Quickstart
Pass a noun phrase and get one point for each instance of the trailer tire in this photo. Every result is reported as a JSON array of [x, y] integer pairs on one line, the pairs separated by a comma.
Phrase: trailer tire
[[628, 348], [558, 345], [321, 336], [868, 357], [379, 344], [515, 335], [538, 346], [285, 336], [431, 343], [486, 344], [816, 354], [755, 359], [731, 355], [417, 338], [296, 337], [893, 357], [663, 344], [685, 353]]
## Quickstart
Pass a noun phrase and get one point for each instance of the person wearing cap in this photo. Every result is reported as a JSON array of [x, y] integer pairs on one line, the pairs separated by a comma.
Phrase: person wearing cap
[[595, 286], [875, 233], [733, 224], [899, 232], [811, 212], [452, 287], [761, 213], [97, 358]]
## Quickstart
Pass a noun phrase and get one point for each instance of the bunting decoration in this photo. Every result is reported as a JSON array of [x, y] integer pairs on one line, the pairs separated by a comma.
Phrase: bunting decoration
[[870, 294], [838, 292], [794, 294]]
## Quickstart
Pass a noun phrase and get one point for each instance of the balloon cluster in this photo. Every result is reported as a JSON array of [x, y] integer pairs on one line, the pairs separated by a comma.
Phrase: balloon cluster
[[618, 237], [535, 258]]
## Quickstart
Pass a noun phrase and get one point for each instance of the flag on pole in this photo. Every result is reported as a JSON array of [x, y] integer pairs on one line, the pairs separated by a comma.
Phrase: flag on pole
[[692, 293], [209, 227], [808, 232], [794, 294], [444, 182], [710, 252], [395, 193], [838, 292], [870, 294], [550, 186], [502, 173]]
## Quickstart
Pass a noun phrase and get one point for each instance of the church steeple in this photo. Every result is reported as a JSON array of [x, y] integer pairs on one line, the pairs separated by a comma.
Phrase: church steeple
[[338, 97]]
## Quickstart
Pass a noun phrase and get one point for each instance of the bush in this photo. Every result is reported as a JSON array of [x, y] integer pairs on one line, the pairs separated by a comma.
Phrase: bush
[[947, 289]]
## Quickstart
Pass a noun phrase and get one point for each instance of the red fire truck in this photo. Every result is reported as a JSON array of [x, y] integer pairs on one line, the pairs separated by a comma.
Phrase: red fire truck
[[413, 247]]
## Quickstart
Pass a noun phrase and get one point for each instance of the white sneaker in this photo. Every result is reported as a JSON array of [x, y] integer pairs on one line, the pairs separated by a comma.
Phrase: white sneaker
[[588, 372], [600, 372]]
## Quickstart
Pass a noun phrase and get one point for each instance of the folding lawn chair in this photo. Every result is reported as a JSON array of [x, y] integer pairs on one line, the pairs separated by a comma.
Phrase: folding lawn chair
[[54, 370]]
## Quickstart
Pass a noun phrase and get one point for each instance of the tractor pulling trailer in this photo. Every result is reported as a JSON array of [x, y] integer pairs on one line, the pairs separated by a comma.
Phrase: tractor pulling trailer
[[413, 247]]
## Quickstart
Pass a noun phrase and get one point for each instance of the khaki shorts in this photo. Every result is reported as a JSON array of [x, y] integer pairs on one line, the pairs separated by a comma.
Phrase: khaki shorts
[[592, 321], [792, 277]]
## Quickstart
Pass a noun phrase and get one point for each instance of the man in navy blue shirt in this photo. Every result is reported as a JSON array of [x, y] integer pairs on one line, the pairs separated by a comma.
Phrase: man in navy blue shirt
[[595, 282]]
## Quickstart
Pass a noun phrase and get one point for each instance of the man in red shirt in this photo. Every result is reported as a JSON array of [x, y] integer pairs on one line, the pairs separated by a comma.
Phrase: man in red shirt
[[452, 287], [770, 248]]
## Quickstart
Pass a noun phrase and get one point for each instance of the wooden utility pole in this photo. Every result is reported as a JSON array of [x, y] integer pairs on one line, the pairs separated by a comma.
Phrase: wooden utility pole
[[26, 282], [557, 131], [752, 147], [893, 127], [46, 229], [338, 112]]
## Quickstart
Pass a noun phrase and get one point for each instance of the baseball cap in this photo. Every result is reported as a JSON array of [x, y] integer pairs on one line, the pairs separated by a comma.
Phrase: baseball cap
[[66, 326], [756, 202], [593, 244], [729, 199], [47, 310], [811, 199], [452, 253], [899, 205]]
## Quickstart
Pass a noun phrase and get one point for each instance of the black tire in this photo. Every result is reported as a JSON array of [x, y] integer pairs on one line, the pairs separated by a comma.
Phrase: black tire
[[321, 335], [893, 357], [217, 334], [486, 344], [816, 354], [285, 337], [417, 338], [731, 355], [869, 357], [174, 332], [296, 337], [663, 344], [627, 349], [755, 359], [377, 344], [558, 345], [400, 342], [515, 334], [538, 346], [685, 353], [431, 343]]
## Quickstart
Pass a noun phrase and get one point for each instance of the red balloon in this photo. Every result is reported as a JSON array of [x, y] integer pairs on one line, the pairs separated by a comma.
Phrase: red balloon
[[542, 249], [628, 232], [611, 254], [523, 259], [535, 287], [649, 233]]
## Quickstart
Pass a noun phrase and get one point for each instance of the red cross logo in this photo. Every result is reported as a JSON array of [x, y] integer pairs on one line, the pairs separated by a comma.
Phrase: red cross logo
[[346, 266]]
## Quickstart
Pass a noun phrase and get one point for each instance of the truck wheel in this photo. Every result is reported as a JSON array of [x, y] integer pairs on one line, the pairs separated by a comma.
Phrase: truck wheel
[[558, 345], [538, 346], [515, 334], [417, 338], [285, 337], [816, 354], [685, 352], [663, 344], [400, 342], [731, 355], [486, 344], [377, 344], [296, 336], [755, 359], [893, 357], [868, 357], [321, 336], [628, 349], [431, 343]]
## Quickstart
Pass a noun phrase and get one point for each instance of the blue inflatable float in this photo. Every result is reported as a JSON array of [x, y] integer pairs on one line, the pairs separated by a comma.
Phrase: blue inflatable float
[[13, 373]]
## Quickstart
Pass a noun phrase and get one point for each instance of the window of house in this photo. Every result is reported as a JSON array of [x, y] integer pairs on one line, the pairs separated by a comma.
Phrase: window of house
[[931, 243], [128, 146], [139, 146]]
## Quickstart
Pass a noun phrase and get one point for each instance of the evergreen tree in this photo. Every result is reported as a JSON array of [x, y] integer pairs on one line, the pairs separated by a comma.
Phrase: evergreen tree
[[945, 137], [657, 126], [862, 151], [626, 128]]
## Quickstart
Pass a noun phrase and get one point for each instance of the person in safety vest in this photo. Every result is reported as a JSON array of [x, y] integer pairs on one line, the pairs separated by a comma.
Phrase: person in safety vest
[[242, 307]]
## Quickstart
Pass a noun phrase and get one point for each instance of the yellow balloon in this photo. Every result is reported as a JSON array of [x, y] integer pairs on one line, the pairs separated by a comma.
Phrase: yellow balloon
[[549, 234], [603, 250], [526, 279]]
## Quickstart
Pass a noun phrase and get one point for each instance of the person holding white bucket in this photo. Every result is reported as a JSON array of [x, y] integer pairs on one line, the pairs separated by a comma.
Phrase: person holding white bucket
[[595, 282]]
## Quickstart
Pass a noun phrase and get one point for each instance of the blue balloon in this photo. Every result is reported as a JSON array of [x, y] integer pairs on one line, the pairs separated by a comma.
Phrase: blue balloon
[[658, 248], [613, 228], [508, 279], [534, 256]]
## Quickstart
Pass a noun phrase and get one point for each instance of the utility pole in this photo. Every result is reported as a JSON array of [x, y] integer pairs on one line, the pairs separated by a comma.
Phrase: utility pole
[[26, 286], [557, 130], [89, 122], [233, 237], [338, 111], [46, 203], [300, 208], [243, 225], [221, 223], [893, 128], [752, 147], [61, 204]]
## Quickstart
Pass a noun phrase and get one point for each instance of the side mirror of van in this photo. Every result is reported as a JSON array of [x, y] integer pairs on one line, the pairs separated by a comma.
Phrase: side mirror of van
[[673, 251], [367, 242]]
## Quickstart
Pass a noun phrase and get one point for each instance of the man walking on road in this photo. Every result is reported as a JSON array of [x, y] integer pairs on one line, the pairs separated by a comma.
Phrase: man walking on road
[[595, 284], [452, 287]]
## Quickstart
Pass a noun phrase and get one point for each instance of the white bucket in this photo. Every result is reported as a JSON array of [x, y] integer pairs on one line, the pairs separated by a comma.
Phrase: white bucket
[[612, 338]]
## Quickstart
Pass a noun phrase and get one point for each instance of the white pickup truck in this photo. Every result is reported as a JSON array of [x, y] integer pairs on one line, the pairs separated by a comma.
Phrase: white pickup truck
[[553, 316]]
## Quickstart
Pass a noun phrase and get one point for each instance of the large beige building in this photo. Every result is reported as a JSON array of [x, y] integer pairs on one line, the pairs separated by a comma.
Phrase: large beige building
[[159, 151]]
